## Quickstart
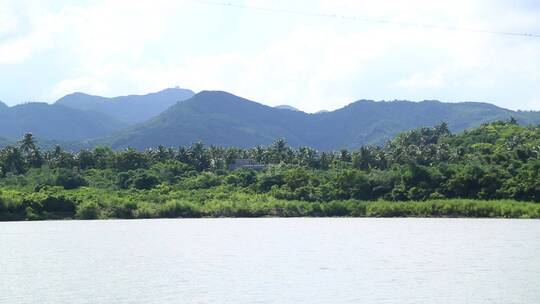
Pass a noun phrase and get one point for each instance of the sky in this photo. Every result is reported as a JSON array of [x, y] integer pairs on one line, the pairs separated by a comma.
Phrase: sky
[[293, 53]]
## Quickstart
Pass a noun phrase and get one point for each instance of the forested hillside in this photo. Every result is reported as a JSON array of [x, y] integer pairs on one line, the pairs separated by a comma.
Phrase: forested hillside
[[220, 118], [77, 118], [216, 118], [55, 122], [436, 172]]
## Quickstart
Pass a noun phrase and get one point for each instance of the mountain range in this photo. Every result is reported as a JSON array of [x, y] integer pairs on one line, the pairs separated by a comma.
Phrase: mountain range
[[175, 117], [55, 122], [128, 109], [81, 117], [223, 119]]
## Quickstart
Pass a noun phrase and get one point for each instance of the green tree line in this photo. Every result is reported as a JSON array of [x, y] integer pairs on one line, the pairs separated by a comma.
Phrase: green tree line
[[427, 166]]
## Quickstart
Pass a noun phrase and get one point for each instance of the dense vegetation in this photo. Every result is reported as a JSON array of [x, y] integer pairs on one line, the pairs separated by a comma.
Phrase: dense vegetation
[[490, 171]]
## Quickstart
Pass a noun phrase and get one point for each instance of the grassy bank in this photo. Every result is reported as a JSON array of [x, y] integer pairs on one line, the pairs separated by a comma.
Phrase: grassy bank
[[89, 203]]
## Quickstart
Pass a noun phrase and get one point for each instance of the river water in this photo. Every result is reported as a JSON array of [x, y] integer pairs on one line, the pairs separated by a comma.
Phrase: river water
[[297, 260]]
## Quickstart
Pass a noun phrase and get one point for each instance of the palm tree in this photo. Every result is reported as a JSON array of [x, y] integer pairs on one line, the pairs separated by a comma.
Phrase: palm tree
[[344, 155], [364, 158], [31, 154], [198, 156], [217, 157], [27, 143], [160, 154], [324, 161], [307, 157], [280, 151], [11, 160]]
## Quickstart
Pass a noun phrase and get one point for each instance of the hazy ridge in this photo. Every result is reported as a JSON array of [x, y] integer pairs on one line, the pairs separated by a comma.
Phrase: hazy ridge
[[175, 116]]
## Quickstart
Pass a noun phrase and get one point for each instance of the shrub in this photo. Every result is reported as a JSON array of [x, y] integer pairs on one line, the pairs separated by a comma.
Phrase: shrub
[[59, 203], [69, 179], [205, 180], [123, 209], [143, 180], [336, 208], [88, 211], [177, 208], [146, 210], [31, 214]]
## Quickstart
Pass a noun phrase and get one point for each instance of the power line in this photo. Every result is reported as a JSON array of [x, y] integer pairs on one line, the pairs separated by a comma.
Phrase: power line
[[368, 20]]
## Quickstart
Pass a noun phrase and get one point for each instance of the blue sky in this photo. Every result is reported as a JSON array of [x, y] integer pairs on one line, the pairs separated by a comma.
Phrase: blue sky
[[52, 48]]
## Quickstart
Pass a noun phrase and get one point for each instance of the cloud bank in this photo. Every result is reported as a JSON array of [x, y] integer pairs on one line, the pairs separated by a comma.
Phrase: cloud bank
[[313, 63]]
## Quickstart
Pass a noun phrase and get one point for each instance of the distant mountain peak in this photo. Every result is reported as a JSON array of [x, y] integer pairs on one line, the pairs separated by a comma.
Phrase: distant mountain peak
[[221, 99], [79, 94], [214, 93], [129, 108], [174, 89], [287, 107]]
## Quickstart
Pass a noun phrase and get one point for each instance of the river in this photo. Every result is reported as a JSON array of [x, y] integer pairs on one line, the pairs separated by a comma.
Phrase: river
[[271, 260]]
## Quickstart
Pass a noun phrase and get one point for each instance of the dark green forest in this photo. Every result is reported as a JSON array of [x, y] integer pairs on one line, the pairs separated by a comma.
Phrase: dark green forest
[[489, 171]]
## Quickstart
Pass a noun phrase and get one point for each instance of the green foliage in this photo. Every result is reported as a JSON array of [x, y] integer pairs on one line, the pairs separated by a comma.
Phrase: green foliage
[[204, 180], [88, 211], [130, 159], [454, 208], [177, 208], [69, 179], [87, 203], [491, 171]]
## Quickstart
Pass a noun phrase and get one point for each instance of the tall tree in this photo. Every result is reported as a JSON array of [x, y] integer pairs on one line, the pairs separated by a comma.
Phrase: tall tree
[[30, 152]]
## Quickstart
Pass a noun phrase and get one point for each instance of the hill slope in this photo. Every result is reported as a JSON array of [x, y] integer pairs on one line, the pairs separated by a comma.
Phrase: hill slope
[[55, 122], [130, 109], [220, 118], [215, 118], [369, 122]]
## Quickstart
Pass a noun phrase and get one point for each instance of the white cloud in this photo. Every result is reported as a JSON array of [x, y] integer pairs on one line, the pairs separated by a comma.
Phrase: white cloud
[[118, 47], [80, 84], [421, 80], [118, 30], [8, 21], [308, 67], [14, 50]]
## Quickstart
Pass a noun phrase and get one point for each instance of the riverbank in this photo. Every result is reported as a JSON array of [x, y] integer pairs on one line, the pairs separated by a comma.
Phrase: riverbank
[[93, 204]]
